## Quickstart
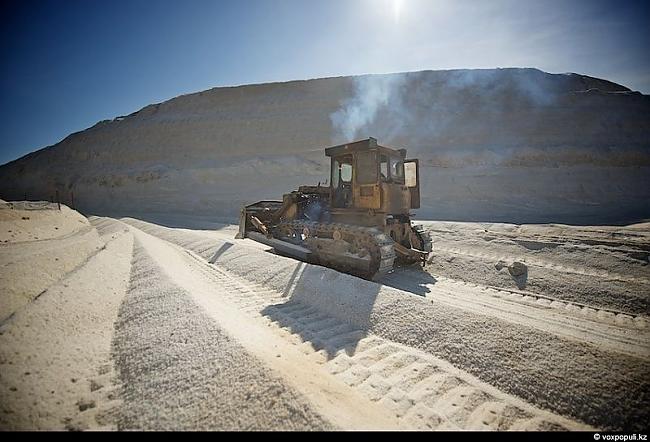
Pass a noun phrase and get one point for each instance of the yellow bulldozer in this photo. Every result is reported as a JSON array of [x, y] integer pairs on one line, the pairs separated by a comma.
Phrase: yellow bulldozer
[[359, 224]]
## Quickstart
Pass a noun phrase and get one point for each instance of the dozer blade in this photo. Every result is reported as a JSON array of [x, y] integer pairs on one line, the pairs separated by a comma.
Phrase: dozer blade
[[261, 211], [282, 246]]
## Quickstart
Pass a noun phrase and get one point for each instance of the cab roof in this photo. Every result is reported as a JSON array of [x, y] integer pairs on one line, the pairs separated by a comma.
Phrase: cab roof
[[361, 145]]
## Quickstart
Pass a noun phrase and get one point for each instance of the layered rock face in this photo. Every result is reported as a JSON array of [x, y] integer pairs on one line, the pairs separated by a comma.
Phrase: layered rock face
[[513, 145]]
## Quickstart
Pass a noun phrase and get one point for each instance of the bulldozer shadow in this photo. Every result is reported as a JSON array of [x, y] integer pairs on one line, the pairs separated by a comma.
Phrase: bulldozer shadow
[[226, 245], [412, 279], [328, 312]]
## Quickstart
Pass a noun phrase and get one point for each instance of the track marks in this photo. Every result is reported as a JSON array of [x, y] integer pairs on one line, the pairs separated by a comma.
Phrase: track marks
[[614, 330], [423, 392]]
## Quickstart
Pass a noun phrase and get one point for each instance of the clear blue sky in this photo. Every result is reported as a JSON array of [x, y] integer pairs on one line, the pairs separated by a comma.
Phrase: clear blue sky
[[67, 64]]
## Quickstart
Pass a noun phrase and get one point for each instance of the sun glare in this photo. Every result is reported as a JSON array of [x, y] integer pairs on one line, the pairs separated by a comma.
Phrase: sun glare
[[397, 9]]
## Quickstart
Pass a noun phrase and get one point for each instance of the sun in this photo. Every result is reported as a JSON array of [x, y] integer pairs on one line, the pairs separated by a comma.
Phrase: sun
[[397, 9]]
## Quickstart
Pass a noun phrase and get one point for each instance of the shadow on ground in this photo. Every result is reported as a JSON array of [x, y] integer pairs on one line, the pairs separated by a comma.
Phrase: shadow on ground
[[220, 251], [411, 279], [327, 310]]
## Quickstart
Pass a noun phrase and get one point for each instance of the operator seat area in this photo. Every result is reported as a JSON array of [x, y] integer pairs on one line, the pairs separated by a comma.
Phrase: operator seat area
[[342, 181]]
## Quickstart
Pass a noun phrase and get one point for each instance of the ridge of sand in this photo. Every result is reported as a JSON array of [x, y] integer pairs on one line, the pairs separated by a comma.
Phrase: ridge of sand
[[180, 371], [39, 245]]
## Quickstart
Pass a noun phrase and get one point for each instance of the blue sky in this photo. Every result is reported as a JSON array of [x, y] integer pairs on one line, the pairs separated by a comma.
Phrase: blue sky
[[67, 64]]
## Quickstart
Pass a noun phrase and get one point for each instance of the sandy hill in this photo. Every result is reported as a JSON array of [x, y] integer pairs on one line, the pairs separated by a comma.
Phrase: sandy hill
[[517, 145]]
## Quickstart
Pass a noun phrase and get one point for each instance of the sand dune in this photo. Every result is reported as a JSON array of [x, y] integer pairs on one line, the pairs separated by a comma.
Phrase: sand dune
[[39, 245]]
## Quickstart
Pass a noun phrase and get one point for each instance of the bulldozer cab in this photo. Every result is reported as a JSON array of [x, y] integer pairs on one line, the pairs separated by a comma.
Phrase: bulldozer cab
[[366, 176]]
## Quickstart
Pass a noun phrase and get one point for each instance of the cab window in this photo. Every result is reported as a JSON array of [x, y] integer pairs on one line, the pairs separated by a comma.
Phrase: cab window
[[396, 170], [342, 170], [346, 172], [383, 168]]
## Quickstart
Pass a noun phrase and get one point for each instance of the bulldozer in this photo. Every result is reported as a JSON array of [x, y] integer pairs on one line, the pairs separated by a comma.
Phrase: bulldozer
[[358, 224]]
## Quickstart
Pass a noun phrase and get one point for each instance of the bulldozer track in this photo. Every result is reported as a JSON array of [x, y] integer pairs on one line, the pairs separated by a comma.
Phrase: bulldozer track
[[531, 261], [382, 250], [619, 332], [591, 312], [607, 315], [423, 392]]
